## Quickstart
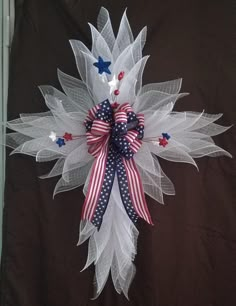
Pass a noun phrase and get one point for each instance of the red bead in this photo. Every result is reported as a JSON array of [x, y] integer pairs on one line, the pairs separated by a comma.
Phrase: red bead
[[67, 136], [116, 92], [121, 75]]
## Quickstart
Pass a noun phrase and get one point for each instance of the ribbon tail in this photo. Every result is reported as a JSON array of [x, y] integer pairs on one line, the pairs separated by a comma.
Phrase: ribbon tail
[[95, 184], [136, 191], [100, 186], [125, 191]]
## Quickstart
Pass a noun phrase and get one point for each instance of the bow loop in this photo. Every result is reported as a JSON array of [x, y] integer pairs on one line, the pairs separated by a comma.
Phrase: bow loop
[[100, 127], [120, 125]]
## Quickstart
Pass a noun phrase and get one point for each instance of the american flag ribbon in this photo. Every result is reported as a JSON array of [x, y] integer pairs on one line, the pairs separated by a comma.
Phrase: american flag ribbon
[[114, 136]]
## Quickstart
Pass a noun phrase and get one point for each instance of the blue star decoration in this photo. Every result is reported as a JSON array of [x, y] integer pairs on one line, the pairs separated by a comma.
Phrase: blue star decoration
[[102, 66], [60, 142], [166, 136]]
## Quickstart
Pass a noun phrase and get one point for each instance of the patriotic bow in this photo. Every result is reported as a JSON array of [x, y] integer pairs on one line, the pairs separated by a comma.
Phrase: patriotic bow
[[114, 135]]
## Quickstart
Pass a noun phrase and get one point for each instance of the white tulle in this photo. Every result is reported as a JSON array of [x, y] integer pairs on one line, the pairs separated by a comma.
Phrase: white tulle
[[112, 248]]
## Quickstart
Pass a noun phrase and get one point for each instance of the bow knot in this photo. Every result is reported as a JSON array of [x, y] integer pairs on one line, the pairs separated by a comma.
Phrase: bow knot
[[120, 125]]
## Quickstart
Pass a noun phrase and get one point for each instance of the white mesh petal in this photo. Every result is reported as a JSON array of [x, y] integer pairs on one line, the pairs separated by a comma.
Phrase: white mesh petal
[[144, 159], [169, 87], [77, 91], [99, 46], [154, 100], [80, 50], [132, 81], [113, 247], [56, 170], [13, 140], [75, 178], [105, 27], [130, 55], [124, 37]]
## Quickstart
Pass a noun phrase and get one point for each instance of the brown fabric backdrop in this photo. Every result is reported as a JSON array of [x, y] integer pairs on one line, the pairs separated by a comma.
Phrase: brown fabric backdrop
[[189, 257]]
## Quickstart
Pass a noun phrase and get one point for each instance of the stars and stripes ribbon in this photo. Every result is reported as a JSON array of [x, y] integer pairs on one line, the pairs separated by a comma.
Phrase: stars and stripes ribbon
[[114, 134]]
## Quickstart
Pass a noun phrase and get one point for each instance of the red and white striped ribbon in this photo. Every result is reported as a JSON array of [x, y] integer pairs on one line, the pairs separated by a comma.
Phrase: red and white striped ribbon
[[95, 183]]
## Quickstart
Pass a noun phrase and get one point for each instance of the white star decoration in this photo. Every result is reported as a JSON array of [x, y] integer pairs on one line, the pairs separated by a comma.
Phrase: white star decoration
[[53, 136]]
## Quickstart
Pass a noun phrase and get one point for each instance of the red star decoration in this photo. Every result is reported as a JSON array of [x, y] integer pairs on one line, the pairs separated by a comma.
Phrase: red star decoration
[[67, 136], [163, 142]]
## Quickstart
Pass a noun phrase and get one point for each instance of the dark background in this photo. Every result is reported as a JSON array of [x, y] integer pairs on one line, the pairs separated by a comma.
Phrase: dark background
[[189, 257]]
